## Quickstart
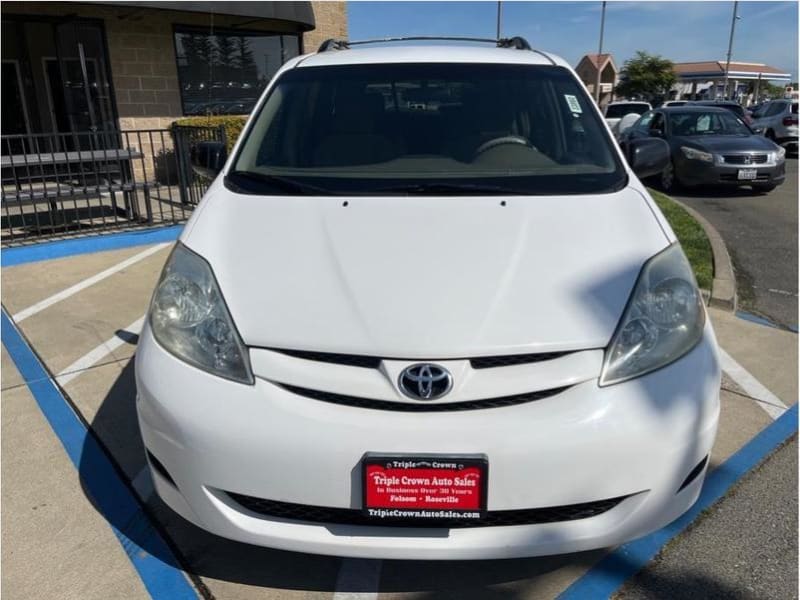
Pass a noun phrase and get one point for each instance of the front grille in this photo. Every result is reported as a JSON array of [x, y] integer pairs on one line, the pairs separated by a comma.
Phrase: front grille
[[745, 159], [374, 362], [350, 360], [495, 518], [360, 402], [489, 362]]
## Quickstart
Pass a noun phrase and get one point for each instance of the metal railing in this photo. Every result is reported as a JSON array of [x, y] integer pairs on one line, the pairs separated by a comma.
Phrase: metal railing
[[61, 184]]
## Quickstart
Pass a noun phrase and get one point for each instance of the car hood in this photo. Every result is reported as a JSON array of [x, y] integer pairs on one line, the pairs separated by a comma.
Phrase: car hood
[[728, 143], [425, 277]]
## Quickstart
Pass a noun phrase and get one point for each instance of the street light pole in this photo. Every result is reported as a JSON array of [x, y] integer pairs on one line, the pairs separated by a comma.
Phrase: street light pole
[[599, 53], [499, 3], [730, 45]]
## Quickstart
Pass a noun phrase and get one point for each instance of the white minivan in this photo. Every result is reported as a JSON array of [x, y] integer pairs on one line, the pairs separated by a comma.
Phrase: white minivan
[[427, 310]]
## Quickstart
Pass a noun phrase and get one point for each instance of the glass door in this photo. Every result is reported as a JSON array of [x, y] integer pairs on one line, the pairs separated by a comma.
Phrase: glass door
[[78, 82]]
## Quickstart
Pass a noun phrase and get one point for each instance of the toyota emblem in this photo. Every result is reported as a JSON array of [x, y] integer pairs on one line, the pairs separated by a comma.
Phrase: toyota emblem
[[425, 381]]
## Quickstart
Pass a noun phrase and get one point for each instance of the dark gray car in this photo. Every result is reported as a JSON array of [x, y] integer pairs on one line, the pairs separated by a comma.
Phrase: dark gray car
[[710, 146]]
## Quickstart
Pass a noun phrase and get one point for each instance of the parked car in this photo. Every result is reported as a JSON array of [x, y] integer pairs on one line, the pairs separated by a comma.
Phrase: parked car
[[711, 146], [756, 110], [418, 334], [616, 110], [778, 121]]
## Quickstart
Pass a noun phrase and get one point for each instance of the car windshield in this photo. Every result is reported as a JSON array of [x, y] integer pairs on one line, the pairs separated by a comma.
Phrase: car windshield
[[706, 123], [617, 111], [427, 128]]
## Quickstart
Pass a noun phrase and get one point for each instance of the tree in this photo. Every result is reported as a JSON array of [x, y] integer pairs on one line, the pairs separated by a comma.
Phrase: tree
[[646, 76]]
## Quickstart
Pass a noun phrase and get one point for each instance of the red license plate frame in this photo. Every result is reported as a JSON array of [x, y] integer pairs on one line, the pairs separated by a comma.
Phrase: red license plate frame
[[424, 487]]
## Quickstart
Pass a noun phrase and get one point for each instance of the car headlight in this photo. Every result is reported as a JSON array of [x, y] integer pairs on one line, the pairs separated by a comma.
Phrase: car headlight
[[664, 319], [695, 154], [189, 318], [779, 155]]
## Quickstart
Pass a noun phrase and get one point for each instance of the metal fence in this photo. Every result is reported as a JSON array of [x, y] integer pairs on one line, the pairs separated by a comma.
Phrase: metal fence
[[61, 184]]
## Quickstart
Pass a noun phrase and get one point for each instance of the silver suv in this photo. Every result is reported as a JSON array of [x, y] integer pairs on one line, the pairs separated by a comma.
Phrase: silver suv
[[778, 121]]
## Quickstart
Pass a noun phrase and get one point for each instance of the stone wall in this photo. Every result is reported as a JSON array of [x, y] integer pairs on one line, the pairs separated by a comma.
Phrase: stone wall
[[331, 19]]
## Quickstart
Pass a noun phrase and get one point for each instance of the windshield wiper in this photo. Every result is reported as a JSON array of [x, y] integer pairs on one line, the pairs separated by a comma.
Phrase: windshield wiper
[[445, 189], [286, 184]]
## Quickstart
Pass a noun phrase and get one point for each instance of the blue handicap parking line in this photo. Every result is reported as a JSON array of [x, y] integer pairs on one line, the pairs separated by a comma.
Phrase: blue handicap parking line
[[608, 575], [95, 243], [112, 497]]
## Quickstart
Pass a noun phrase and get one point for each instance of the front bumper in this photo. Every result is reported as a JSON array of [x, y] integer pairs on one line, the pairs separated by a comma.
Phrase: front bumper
[[640, 438], [695, 172]]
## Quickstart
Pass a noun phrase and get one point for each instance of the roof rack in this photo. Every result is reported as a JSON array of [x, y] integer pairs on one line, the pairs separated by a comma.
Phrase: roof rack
[[517, 42]]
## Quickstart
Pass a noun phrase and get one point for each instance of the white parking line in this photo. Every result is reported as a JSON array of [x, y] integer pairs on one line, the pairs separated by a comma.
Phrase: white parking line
[[82, 285], [358, 579], [94, 356], [773, 405]]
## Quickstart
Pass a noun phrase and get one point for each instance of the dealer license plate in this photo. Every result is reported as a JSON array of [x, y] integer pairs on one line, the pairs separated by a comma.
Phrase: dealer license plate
[[424, 488], [747, 173]]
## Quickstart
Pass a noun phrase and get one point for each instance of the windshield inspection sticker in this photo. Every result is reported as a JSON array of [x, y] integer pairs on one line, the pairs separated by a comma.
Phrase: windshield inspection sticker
[[573, 104]]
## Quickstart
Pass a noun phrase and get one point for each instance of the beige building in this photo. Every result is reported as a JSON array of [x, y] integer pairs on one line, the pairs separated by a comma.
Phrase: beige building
[[89, 66], [587, 72]]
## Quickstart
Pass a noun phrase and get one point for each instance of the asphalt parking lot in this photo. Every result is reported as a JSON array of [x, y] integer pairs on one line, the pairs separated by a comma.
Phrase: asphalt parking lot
[[760, 231], [80, 519]]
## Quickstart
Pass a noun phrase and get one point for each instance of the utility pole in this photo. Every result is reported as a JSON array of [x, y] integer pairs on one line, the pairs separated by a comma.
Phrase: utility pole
[[499, 4], [730, 45], [599, 53]]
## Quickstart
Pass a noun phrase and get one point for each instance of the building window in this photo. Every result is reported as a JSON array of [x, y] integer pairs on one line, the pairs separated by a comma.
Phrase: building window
[[225, 72]]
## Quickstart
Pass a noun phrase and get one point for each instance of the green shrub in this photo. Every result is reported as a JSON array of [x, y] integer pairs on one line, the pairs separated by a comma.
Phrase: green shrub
[[233, 125]]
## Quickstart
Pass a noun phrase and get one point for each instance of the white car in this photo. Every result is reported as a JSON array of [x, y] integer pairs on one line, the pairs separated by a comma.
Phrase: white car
[[778, 121], [459, 333], [615, 111]]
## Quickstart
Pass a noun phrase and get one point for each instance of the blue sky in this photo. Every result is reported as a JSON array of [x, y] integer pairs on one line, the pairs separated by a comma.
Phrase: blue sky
[[680, 31]]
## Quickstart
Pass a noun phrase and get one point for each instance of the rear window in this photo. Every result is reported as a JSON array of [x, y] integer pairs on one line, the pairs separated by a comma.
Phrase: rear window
[[617, 111], [385, 128], [698, 123]]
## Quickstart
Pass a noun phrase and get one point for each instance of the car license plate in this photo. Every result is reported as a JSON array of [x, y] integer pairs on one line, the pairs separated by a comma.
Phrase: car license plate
[[747, 173], [424, 488]]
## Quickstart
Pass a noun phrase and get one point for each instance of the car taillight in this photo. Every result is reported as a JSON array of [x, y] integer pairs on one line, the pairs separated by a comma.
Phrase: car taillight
[[790, 120]]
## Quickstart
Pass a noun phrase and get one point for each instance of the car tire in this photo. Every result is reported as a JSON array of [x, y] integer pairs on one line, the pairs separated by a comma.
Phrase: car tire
[[770, 135], [669, 179], [764, 189]]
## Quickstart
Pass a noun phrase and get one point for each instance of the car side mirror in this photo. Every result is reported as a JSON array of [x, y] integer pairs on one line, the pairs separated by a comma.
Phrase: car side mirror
[[648, 156], [208, 158]]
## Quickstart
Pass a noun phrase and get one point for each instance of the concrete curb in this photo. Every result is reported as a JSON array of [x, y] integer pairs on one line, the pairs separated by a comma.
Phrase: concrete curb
[[723, 288]]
